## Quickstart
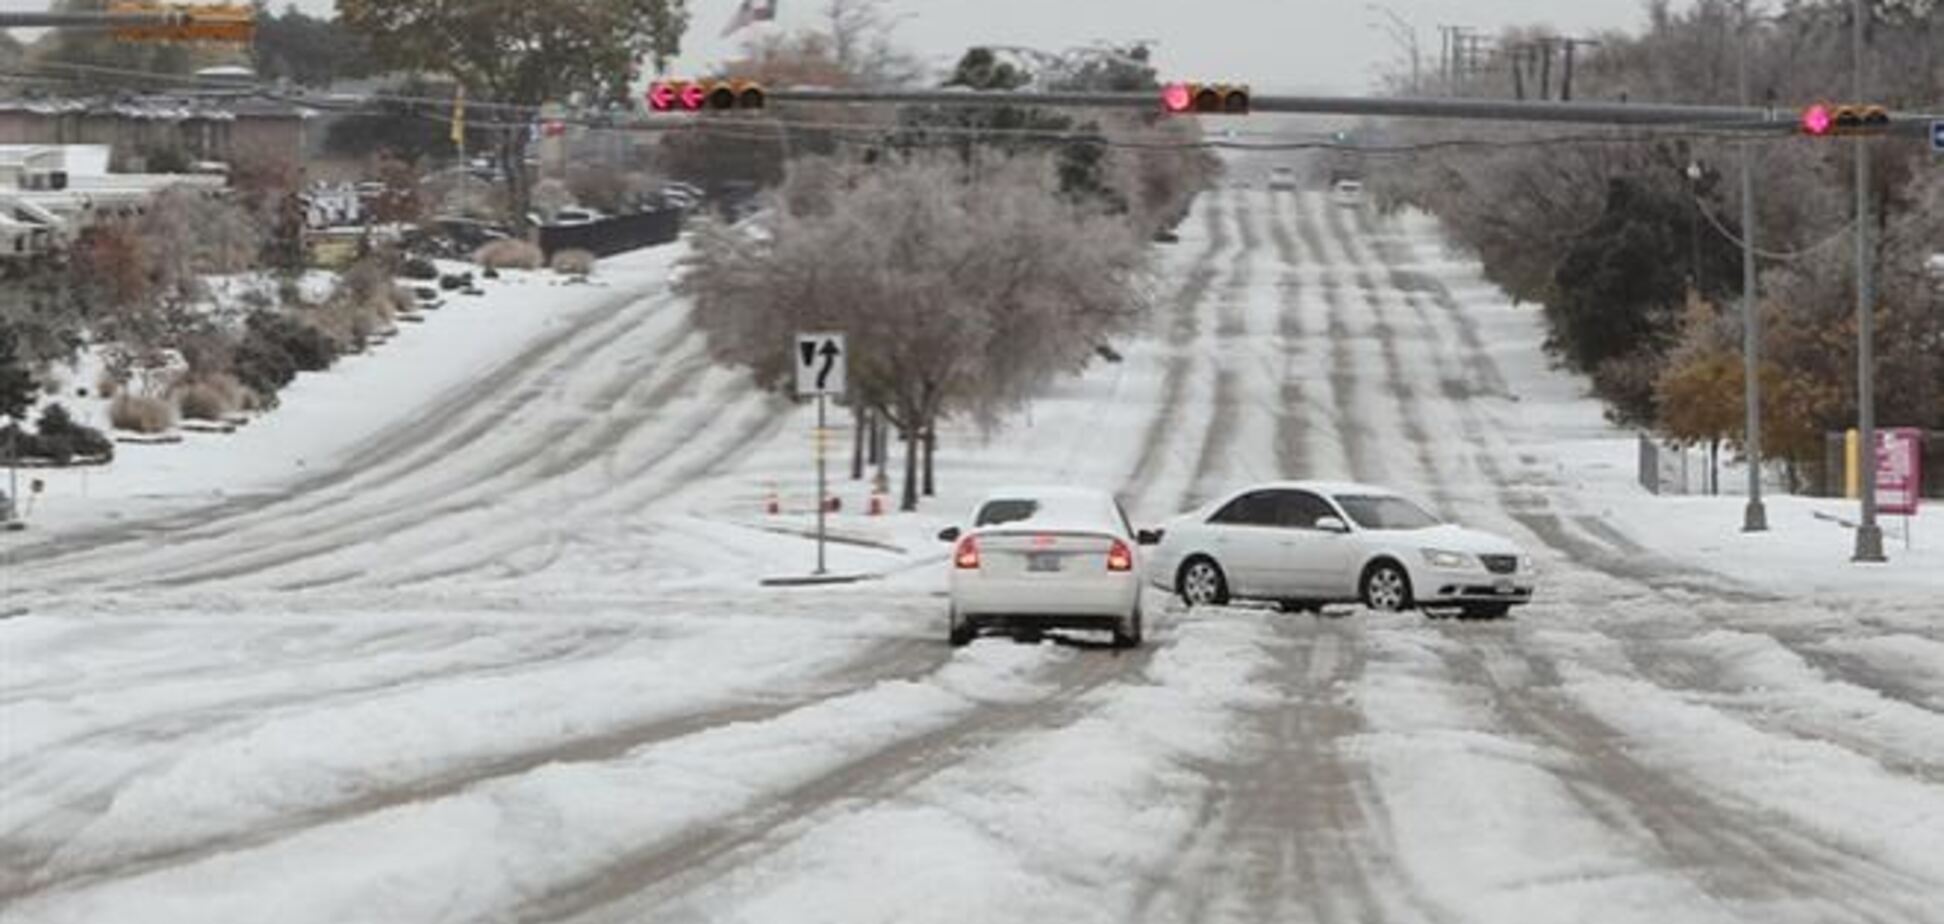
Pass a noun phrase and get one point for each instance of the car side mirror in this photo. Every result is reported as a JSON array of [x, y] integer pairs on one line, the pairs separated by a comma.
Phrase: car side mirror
[[1332, 525], [949, 534], [1149, 536]]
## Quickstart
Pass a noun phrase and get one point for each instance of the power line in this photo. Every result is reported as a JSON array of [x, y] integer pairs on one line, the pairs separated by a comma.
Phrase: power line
[[1834, 237]]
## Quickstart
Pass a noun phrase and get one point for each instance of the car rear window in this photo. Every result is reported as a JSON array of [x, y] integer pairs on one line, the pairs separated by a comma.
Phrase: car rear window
[[997, 512], [1054, 512]]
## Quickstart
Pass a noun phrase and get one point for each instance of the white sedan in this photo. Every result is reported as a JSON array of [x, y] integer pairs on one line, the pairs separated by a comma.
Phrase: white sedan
[[1304, 544], [1046, 557]]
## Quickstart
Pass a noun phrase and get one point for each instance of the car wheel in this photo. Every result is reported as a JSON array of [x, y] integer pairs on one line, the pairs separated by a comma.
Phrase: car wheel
[[1386, 588], [1129, 633], [960, 632], [1487, 611], [1202, 583]]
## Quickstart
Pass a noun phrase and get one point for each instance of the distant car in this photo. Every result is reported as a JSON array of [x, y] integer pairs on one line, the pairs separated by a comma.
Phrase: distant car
[[1305, 544], [1348, 193], [1045, 557], [1282, 178]]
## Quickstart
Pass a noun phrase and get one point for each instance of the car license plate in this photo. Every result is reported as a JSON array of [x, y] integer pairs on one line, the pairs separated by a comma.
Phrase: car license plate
[[1505, 587], [1043, 562]]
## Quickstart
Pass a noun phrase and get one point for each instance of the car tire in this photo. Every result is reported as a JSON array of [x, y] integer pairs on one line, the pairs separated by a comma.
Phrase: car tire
[[1486, 611], [1202, 583], [1129, 633], [960, 632], [1386, 588]]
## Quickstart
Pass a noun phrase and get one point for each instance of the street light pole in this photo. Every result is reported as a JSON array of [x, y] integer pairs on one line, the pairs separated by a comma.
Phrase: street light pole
[[1754, 515], [1869, 536]]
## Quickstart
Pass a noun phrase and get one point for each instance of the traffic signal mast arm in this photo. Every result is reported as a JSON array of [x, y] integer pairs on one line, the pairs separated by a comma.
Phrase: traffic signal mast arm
[[1726, 118]]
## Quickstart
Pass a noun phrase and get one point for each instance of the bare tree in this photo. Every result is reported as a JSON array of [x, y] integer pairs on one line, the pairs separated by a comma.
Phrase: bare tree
[[963, 290]]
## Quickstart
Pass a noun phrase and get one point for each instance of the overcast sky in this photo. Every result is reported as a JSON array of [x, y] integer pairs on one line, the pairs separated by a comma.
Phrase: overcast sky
[[1290, 45]]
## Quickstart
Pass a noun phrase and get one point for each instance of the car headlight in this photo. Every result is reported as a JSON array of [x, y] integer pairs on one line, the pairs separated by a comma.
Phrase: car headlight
[[1450, 560], [1527, 564]]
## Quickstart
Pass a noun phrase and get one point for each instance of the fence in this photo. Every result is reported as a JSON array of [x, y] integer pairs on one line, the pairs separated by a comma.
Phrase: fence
[[1832, 479], [610, 236]]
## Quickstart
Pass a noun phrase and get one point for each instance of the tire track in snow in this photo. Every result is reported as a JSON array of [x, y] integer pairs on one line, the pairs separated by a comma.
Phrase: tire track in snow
[[1293, 431], [675, 478], [1296, 829], [1525, 500], [1831, 714], [1734, 852], [453, 422], [423, 502], [1403, 394], [504, 522], [1183, 334], [673, 867], [1657, 661], [317, 514], [275, 654], [28, 856], [896, 660], [1214, 467], [1353, 431]]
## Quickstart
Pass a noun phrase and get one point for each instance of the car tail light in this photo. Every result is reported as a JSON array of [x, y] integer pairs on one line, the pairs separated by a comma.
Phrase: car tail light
[[1120, 557], [967, 557]]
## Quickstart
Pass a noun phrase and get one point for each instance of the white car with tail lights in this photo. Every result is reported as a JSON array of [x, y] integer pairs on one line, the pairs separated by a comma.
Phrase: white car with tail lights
[[1046, 557], [1305, 544]]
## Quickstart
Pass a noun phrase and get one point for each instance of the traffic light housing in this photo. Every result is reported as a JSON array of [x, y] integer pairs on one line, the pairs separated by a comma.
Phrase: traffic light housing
[[706, 96], [1823, 120], [1205, 99], [209, 22]]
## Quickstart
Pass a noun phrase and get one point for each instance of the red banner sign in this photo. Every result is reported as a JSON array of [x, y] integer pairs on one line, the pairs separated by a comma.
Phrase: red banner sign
[[1900, 470]]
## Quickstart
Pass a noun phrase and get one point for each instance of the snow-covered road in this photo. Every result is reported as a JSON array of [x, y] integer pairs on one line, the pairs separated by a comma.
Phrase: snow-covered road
[[508, 660]]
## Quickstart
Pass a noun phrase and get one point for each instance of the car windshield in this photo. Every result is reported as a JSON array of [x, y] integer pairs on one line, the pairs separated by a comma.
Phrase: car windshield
[[1385, 512]]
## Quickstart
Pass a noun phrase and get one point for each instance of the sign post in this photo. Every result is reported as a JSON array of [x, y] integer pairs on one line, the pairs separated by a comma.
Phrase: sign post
[[822, 367], [1900, 473]]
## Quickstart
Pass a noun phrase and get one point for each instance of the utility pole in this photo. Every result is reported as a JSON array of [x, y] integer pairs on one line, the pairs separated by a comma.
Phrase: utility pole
[[1566, 85], [1545, 51], [1754, 515], [1869, 536], [1402, 32]]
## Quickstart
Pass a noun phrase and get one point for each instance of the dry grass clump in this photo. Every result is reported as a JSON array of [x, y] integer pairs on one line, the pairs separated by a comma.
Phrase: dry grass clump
[[210, 397], [574, 263], [510, 254], [141, 414]]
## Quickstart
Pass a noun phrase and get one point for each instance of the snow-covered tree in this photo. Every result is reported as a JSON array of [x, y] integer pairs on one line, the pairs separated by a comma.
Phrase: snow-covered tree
[[963, 289]]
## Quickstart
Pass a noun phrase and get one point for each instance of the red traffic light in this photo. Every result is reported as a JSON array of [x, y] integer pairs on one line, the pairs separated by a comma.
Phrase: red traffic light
[[1817, 120], [1177, 97], [693, 96], [1823, 120], [1211, 98], [661, 96], [700, 95]]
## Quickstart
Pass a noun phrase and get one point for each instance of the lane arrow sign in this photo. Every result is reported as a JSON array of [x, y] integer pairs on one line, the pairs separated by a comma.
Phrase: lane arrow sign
[[830, 353]]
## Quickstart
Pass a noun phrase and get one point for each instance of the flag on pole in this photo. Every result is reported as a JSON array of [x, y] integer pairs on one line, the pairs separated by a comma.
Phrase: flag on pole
[[750, 13], [459, 118]]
